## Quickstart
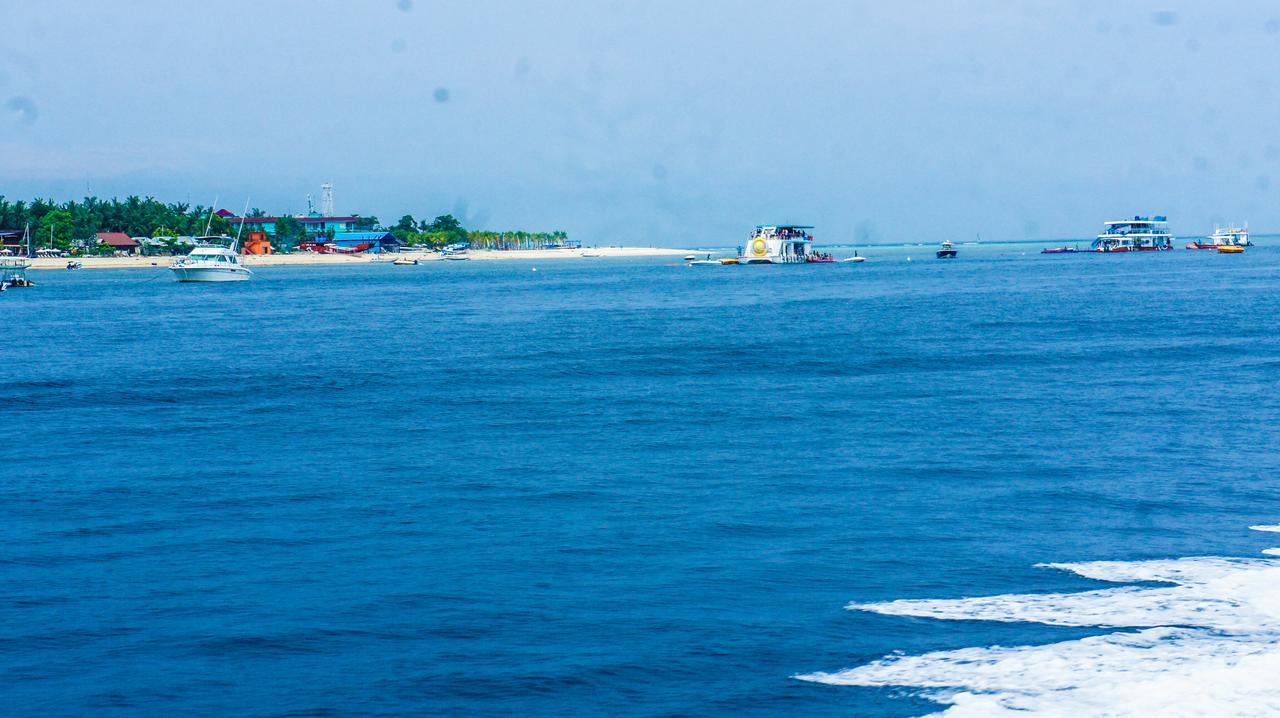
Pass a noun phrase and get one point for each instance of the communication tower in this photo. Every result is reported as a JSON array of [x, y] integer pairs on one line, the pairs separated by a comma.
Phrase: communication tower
[[326, 199]]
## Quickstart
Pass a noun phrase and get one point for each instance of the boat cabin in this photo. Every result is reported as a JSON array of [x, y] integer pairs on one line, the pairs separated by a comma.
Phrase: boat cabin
[[777, 244], [1140, 234]]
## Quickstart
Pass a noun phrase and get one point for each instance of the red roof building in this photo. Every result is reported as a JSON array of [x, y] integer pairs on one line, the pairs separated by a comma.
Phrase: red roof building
[[118, 241]]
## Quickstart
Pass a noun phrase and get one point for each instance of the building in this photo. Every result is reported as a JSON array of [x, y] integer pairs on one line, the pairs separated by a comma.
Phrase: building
[[311, 224], [11, 242], [118, 241], [379, 241], [256, 243]]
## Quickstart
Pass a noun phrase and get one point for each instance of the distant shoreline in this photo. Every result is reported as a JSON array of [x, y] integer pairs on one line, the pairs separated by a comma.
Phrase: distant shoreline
[[313, 259]]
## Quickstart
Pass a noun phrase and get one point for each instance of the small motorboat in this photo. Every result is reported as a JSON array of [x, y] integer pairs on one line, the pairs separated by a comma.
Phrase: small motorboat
[[1230, 249], [74, 264], [690, 257], [404, 262], [1059, 250], [947, 251], [855, 257]]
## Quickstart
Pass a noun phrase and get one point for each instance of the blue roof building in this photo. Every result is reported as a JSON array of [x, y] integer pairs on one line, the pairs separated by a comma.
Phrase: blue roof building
[[381, 241]]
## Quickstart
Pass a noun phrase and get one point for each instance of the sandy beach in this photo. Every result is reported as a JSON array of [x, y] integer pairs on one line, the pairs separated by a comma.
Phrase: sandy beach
[[252, 260]]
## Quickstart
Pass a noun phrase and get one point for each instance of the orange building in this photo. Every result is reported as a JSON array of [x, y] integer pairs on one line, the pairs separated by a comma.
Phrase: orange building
[[256, 244]]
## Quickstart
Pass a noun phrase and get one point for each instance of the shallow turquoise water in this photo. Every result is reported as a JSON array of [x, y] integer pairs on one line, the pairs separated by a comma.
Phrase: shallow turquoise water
[[607, 486]]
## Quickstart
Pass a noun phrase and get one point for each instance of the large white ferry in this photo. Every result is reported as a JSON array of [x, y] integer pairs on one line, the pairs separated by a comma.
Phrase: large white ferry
[[1224, 237], [209, 262], [781, 244], [1140, 234]]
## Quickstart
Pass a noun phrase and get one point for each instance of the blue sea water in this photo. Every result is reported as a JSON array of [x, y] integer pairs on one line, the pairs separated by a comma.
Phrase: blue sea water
[[607, 487]]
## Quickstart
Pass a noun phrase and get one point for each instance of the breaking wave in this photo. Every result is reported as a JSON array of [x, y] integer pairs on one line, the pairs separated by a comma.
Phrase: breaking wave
[[1208, 644]]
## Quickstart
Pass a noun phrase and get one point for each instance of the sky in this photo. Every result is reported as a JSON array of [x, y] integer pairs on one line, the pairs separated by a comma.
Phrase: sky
[[663, 122]]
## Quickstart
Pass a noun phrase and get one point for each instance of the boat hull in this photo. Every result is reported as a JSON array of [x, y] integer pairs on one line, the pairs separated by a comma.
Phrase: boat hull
[[1122, 250], [946, 254], [210, 274]]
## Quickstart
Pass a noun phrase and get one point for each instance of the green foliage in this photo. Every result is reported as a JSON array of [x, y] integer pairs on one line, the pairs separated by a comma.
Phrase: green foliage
[[289, 232], [56, 224], [139, 216], [443, 223], [514, 240]]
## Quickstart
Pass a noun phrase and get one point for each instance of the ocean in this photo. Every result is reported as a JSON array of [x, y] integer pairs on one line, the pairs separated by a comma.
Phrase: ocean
[[1004, 484]]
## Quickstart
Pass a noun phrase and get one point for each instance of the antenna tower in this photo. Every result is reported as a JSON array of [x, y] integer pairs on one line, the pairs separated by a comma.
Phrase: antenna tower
[[326, 199]]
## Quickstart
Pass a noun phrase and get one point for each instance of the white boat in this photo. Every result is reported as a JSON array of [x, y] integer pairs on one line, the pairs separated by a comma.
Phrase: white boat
[[778, 244], [690, 257], [1140, 234], [404, 262], [855, 258], [210, 263], [13, 273], [1224, 237]]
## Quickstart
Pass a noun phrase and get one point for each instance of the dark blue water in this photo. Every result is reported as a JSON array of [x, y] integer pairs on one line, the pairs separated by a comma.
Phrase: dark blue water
[[605, 487]]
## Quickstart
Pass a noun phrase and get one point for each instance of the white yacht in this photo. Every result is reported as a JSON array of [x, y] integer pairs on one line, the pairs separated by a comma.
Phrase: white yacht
[[1224, 237], [1140, 234], [210, 263]]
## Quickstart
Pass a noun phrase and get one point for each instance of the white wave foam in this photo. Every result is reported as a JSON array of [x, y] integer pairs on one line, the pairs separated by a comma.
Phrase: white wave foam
[[1209, 646]]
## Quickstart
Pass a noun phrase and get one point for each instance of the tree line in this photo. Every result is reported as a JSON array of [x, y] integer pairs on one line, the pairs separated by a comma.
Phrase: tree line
[[54, 224], [57, 224], [446, 230]]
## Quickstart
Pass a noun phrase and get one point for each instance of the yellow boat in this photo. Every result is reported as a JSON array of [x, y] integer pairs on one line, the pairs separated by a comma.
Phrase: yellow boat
[[729, 260], [1230, 249]]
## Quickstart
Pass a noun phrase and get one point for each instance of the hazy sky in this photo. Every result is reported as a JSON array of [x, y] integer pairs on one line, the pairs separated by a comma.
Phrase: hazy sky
[[675, 122]]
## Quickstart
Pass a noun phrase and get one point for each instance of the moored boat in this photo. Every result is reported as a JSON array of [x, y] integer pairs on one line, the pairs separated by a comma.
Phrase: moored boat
[[1059, 250], [404, 262], [1224, 237], [210, 263], [778, 244], [1230, 249], [13, 273], [1140, 234]]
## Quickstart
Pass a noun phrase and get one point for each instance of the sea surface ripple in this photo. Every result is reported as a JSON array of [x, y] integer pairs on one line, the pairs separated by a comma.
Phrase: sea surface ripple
[[621, 487]]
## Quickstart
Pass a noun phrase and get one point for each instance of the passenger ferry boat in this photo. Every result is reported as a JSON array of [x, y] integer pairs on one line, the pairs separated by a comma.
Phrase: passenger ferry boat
[[781, 244], [1140, 234], [1224, 237], [209, 262]]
